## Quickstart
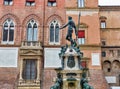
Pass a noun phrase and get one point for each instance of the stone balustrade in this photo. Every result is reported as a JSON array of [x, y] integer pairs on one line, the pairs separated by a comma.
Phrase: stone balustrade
[[31, 44]]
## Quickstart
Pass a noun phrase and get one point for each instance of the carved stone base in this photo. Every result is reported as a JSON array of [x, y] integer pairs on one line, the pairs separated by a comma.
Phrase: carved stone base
[[28, 87]]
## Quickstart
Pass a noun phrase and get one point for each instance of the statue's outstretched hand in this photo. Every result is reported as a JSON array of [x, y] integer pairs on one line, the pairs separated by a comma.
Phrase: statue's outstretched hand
[[60, 28]]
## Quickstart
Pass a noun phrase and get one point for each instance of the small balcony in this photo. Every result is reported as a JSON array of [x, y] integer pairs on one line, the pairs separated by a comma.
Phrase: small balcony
[[31, 44]]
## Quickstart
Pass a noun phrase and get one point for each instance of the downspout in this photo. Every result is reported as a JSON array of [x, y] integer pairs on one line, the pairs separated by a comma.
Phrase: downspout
[[42, 62]]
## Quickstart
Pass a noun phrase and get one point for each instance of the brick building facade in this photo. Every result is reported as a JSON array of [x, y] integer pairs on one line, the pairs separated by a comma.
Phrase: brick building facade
[[30, 40], [109, 15]]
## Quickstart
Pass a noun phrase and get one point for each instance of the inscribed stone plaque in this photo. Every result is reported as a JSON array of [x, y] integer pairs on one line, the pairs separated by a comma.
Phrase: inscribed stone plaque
[[52, 58], [95, 59], [110, 79], [8, 57]]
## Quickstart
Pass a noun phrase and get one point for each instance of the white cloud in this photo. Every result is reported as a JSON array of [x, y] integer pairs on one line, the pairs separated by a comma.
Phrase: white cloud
[[109, 2]]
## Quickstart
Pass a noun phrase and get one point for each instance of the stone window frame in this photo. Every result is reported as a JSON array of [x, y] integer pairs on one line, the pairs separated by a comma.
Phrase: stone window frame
[[103, 23], [25, 22], [81, 40], [47, 23], [84, 27], [34, 32], [32, 63], [8, 21], [56, 23], [17, 27], [23, 81]]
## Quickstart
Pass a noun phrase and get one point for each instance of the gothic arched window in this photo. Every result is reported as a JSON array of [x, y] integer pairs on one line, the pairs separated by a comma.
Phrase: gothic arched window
[[8, 31], [32, 30], [54, 32]]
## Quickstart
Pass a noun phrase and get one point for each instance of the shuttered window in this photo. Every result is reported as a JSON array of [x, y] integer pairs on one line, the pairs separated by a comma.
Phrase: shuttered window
[[8, 31], [81, 37], [29, 69]]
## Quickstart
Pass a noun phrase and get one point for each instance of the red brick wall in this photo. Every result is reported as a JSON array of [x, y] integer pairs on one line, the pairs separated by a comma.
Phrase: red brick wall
[[54, 13], [48, 79], [88, 3], [8, 78], [19, 12], [97, 79]]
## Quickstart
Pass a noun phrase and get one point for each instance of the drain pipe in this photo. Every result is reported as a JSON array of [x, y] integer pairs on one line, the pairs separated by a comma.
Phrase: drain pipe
[[42, 62]]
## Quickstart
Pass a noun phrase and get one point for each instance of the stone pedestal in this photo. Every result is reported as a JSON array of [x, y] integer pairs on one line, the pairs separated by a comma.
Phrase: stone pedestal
[[71, 69]]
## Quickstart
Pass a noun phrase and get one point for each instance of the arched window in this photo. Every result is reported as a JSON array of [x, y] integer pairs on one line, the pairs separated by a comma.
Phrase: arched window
[[54, 32], [115, 65], [81, 3], [103, 21], [32, 30], [107, 66], [103, 24], [8, 31]]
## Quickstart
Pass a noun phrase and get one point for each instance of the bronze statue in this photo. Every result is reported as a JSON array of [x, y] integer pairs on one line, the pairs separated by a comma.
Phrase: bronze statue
[[84, 82], [58, 84], [71, 26]]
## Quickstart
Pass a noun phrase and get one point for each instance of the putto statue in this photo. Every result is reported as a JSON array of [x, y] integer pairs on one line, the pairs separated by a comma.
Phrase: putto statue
[[71, 27], [84, 82], [58, 84]]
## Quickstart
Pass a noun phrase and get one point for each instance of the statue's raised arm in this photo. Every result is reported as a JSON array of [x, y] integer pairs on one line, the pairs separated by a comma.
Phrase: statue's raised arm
[[71, 27], [64, 26]]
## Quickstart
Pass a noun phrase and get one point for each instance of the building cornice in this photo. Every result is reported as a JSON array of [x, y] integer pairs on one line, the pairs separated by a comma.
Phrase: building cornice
[[109, 8], [82, 9], [90, 47], [9, 45], [107, 29], [110, 46]]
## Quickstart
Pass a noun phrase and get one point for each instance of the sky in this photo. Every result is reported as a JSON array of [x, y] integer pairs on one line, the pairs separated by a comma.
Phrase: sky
[[109, 2]]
